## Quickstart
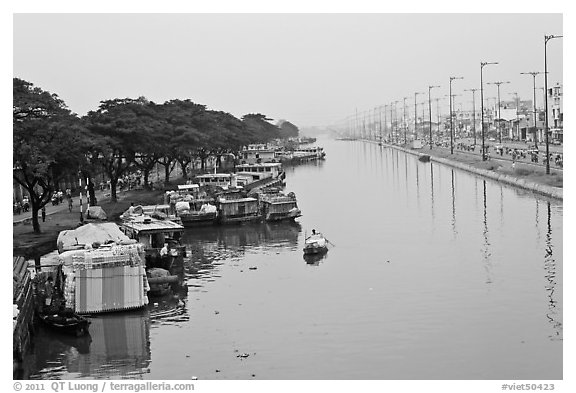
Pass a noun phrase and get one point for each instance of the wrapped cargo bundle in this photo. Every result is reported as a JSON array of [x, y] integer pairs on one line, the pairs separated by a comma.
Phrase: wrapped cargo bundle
[[111, 278]]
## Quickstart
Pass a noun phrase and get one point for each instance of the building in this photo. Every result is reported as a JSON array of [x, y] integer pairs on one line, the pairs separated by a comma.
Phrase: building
[[556, 113]]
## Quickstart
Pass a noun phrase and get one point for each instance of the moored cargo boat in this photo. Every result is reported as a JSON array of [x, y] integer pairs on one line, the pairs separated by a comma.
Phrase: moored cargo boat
[[276, 206]]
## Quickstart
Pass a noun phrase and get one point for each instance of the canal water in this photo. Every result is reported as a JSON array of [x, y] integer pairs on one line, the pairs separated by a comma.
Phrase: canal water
[[433, 273]]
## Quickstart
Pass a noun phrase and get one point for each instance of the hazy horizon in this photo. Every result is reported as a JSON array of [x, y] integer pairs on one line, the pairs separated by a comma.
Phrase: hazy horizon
[[309, 69]]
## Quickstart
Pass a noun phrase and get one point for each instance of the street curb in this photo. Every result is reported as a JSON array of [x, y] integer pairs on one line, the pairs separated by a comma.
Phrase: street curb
[[552, 192]]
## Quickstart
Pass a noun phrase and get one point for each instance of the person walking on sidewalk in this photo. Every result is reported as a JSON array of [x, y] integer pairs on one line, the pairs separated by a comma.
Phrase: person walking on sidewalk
[[43, 213]]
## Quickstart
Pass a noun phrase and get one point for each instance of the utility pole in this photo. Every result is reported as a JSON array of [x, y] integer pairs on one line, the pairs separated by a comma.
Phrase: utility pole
[[517, 114], [430, 112], [546, 39], [482, 65], [499, 117], [416, 115], [534, 73], [405, 126], [473, 113], [451, 126]]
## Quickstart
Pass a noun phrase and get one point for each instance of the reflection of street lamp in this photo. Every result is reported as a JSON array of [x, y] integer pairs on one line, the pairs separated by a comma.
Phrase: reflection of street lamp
[[473, 113], [416, 115], [534, 73], [546, 39], [482, 65], [430, 112], [499, 117], [451, 127]]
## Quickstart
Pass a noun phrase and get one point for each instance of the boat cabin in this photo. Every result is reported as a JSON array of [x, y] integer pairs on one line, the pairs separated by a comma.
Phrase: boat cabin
[[153, 234], [257, 153], [223, 180], [259, 171], [236, 209]]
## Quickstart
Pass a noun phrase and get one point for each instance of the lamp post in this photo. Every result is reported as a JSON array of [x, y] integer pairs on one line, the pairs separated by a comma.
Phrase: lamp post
[[534, 73], [396, 122], [517, 114], [404, 123], [482, 65], [473, 113], [430, 112], [437, 100], [546, 39], [385, 119], [451, 126], [499, 118], [416, 115]]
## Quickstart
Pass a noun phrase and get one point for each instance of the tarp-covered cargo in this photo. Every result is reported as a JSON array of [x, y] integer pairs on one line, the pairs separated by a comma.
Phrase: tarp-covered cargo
[[96, 212], [109, 278], [88, 234]]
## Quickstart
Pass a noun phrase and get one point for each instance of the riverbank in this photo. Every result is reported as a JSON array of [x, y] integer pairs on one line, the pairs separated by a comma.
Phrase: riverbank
[[526, 176], [30, 244]]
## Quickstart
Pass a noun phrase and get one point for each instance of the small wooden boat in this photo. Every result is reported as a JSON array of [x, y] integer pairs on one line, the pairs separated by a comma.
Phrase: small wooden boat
[[67, 322], [315, 244]]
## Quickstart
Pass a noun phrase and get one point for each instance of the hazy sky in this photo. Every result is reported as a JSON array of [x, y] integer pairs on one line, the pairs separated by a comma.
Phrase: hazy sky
[[311, 69]]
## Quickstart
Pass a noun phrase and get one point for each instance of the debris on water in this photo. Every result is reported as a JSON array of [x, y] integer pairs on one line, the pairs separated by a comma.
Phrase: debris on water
[[252, 268], [187, 356], [217, 370], [243, 355], [387, 261], [216, 312]]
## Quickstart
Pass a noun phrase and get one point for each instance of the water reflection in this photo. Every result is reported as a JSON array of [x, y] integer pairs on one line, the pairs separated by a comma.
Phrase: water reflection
[[314, 259], [453, 206], [550, 268], [118, 346], [486, 251], [210, 246]]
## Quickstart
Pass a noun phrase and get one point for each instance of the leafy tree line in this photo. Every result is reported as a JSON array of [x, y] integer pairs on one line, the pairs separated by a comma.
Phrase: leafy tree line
[[50, 143]]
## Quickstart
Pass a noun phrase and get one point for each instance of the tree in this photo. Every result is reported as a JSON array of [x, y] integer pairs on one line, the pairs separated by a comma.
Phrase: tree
[[288, 130], [259, 129], [118, 128], [48, 143]]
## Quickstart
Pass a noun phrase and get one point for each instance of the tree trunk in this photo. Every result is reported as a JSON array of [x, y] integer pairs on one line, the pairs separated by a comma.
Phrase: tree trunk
[[113, 197], [35, 223], [91, 194], [167, 173], [146, 173]]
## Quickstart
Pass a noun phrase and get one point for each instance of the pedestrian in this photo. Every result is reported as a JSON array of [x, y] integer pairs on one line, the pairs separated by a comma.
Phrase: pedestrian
[[43, 213]]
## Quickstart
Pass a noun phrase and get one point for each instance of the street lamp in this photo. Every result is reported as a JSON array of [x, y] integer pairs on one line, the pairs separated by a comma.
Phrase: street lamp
[[451, 127], [517, 114], [437, 100], [482, 65], [430, 112], [499, 118], [546, 39], [404, 124], [416, 115], [534, 73], [473, 112], [395, 118]]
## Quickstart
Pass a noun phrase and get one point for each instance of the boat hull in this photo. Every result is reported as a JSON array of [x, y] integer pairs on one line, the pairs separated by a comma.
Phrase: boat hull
[[198, 220], [73, 324], [309, 250]]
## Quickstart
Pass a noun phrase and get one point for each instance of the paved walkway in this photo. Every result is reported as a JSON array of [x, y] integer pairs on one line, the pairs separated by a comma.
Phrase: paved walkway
[[51, 209]]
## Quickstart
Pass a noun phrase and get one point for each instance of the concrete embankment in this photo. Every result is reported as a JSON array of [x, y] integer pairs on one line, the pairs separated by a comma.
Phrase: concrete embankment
[[549, 191]]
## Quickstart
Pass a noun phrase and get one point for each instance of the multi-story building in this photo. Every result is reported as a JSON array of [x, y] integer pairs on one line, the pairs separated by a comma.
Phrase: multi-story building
[[555, 113]]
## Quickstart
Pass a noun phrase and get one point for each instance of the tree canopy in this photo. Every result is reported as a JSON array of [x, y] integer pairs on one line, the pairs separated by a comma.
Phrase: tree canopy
[[120, 136]]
